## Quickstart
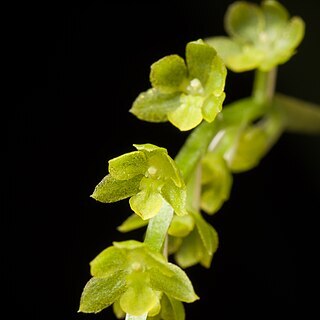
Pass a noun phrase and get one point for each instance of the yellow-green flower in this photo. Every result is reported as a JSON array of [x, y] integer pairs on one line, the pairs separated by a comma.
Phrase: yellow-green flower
[[192, 240], [131, 274], [259, 36], [184, 92], [148, 176]]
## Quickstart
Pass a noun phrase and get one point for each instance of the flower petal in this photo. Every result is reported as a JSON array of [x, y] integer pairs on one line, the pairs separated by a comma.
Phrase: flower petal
[[171, 309], [237, 58], [146, 204], [177, 286], [107, 262], [191, 250], [181, 226], [138, 299], [128, 165], [129, 244], [176, 197], [119, 313], [162, 166], [216, 78], [168, 73], [212, 106], [188, 115], [149, 147], [292, 35], [225, 46], [244, 21], [132, 223], [200, 57], [207, 233], [276, 17]]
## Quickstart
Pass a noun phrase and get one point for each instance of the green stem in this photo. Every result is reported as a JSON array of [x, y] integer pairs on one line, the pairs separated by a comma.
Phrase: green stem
[[195, 146], [158, 227], [155, 238], [264, 85]]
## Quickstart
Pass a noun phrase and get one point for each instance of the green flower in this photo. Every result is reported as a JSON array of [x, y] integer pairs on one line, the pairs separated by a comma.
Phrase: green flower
[[216, 182], [131, 274], [182, 92], [148, 176], [260, 36], [192, 242]]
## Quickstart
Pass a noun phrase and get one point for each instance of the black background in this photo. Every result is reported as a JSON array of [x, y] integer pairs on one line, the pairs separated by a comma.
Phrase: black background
[[75, 69]]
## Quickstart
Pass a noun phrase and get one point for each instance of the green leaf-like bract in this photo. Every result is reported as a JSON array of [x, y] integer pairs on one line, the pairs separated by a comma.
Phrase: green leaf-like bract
[[260, 36], [184, 92], [197, 246]]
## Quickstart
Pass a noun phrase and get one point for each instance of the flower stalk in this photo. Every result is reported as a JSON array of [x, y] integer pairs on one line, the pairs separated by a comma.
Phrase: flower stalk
[[168, 195], [264, 85]]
